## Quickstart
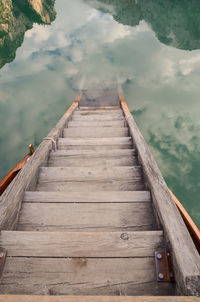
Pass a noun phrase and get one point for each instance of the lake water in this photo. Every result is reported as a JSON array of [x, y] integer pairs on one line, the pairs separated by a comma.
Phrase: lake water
[[154, 48]]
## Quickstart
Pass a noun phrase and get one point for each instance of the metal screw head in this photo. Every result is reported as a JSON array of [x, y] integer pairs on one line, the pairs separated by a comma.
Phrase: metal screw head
[[1, 255], [161, 276], [124, 236], [159, 256]]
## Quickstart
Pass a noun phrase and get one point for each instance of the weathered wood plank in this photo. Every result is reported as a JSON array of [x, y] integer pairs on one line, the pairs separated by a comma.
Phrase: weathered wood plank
[[96, 153], [81, 244], [98, 117], [57, 276], [107, 141], [115, 185], [85, 217], [98, 112], [10, 201], [110, 108], [96, 132], [120, 123], [185, 255], [56, 174], [86, 161], [95, 143], [97, 196], [29, 298]]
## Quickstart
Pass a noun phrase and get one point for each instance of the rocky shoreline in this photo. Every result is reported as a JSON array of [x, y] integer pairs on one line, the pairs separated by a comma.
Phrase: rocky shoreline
[[16, 17]]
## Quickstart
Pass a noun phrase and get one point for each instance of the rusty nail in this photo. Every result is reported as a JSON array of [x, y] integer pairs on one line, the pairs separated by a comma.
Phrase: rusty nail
[[124, 236], [161, 276], [159, 256]]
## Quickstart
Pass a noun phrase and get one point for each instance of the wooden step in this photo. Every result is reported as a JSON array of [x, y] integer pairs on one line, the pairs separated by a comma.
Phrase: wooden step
[[97, 196], [95, 143], [119, 123], [82, 174], [91, 185], [98, 112], [29, 298], [109, 108], [83, 161], [81, 244], [86, 276], [92, 153], [98, 117], [86, 217], [97, 132]]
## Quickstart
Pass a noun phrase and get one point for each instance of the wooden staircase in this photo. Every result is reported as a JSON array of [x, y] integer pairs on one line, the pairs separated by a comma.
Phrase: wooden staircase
[[89, 227], [84, 217]]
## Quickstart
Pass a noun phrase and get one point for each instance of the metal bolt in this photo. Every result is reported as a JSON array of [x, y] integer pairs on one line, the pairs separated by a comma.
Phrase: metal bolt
[[124, 236], [171, 275], [159, 256], [1, 255], [161, 276]]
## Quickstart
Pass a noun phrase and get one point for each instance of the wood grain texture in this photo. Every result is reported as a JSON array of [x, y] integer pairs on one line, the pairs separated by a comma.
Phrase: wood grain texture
[[120, 123], [90, 185], [29, 298], [97, 132], [81, 244], [98, 117], [185, 256], [97, 196], [58, 276], [95, 143], [98, 112], [96, 153], [88, 161], [56, 174], [86, 217], [10, 201]]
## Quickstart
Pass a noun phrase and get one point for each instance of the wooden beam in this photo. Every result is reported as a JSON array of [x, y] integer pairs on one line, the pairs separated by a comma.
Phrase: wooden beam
[[194, 231], [19, 298], [185, 255], [11, 199]]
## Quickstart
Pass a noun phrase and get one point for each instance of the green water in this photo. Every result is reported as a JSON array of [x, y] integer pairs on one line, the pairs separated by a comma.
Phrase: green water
[[154, 47]]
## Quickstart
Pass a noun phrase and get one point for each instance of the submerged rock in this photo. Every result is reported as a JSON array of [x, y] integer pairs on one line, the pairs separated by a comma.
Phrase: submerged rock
[[16, 17]]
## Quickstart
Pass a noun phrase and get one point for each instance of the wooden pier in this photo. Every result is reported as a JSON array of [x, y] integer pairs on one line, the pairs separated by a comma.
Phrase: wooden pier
[[88, 212]]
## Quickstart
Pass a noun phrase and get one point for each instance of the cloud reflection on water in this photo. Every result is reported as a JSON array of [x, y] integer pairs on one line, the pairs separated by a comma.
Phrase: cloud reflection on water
[[161, 85]]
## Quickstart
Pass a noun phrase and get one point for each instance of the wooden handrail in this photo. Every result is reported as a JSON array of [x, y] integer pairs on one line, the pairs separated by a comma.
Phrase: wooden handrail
[[192, 228], [12, 173]]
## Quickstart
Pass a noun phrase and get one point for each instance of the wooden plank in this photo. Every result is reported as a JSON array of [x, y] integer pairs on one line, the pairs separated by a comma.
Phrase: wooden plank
[[118, 123], [56, 174], [98, 112], [98, 117], [91, 153], [185, 256], [65, 276], [96, 132], [86, 217], [83, 161], [97, 196], [29, 298], [115, 185], [95, 143], [193, 229], [110, 108], [10, 201], [81, 244]]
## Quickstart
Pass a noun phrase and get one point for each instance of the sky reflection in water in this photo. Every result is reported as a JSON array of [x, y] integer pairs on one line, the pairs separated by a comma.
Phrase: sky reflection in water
[[160, 82]]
